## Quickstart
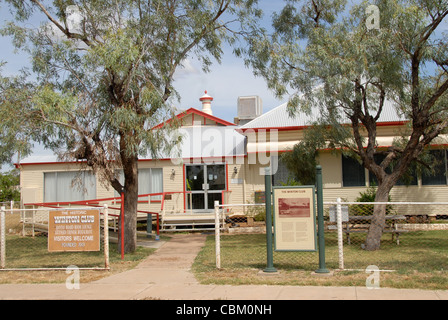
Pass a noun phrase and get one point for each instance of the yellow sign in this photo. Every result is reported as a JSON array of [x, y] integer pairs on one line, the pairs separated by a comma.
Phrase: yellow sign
[[294, 219], [74, 230]]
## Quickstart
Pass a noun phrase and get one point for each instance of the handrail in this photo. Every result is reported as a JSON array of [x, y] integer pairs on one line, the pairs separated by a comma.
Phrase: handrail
[[95, 203]]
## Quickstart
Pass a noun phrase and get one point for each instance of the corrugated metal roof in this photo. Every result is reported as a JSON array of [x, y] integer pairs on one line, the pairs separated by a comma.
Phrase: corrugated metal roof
[[279, 117], [39, 159]]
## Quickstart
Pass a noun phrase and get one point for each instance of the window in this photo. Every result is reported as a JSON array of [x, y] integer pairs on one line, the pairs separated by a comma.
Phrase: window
[[280, 173], [439, 165], [353, 173], [149, 181], [69, 186]]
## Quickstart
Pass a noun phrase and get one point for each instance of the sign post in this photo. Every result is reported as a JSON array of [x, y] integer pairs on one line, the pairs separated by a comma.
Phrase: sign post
[[122, 224], [320, 221], [270, 254]]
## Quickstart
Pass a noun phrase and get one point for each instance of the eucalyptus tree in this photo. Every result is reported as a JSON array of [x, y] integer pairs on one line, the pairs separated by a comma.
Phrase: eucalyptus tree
[[15, 131], [345, 63], [104, 73]]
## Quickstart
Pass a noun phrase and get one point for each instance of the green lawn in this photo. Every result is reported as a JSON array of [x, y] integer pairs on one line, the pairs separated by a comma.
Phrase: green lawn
[[28, 252], [420, 261]]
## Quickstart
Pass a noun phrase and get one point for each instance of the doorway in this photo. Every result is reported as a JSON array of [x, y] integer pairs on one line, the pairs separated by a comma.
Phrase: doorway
[[204, 184]]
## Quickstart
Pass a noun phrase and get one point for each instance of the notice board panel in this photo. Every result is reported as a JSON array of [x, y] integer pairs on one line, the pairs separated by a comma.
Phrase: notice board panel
[[294, 218], [74, 230]]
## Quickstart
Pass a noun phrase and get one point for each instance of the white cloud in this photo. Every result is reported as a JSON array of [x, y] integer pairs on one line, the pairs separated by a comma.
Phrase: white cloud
[[187, 69]]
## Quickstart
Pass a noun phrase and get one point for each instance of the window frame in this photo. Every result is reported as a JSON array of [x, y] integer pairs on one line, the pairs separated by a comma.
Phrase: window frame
[[360, 169], [444, 167], [140, 181], [89, 187]]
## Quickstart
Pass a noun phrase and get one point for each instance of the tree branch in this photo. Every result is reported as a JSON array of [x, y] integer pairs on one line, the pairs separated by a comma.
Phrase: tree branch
[[64, 30]]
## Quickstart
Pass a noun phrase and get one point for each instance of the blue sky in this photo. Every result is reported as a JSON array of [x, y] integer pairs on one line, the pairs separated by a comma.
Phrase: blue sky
[[228, 80]]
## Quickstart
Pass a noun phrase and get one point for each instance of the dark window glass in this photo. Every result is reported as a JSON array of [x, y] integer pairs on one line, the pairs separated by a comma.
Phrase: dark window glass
[[353, 173], [439, 166]]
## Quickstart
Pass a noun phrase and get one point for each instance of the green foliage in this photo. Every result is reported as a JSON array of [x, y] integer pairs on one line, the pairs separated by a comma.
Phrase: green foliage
[[291, 182], [16, 130], [368, 195], [257, 212], [301, 162], [9, 183]]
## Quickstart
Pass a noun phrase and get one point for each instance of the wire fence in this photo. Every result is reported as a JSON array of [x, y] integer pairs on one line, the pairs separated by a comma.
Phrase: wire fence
[[45, 239], [9, 204], [414, 237]]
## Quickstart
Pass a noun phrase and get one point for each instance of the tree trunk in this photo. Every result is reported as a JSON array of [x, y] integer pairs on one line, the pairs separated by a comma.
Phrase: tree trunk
[[378, 221], [130, 167]]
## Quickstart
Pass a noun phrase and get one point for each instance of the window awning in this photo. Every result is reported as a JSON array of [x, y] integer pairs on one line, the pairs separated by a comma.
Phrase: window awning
[[281, 146]]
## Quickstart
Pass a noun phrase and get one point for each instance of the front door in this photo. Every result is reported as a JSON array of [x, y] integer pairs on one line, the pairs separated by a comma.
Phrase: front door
[[204, 185]]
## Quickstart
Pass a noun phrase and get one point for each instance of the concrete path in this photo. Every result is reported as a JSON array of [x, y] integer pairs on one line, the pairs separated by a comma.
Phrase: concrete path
[[166, 275]]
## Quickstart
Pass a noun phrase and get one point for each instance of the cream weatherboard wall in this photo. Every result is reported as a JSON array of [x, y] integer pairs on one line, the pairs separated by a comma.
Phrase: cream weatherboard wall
[[32, 182], [244, 170]]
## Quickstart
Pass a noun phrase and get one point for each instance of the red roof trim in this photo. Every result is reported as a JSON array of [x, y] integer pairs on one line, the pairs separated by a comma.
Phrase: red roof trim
[[200, 113], [379, 124], [185, 160], [18, 165], [241, 130]]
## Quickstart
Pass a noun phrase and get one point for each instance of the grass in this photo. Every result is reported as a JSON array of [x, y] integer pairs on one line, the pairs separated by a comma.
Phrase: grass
[[28, 252], [420, 261]]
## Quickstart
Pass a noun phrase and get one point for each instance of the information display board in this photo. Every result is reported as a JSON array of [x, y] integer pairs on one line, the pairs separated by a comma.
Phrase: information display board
[[294, 218], [74, 230]]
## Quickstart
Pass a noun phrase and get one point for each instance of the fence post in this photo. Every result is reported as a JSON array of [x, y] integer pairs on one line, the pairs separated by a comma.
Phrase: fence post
[[217, 236], [106, 236], [149, 219], [148, 225], [340, 239], [33, 216], [122, 224], [3, 237], [268, 197], [320, 221]]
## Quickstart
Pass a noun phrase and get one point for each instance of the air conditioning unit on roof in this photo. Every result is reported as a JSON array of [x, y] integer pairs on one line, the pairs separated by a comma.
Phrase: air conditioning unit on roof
[[249, 107]]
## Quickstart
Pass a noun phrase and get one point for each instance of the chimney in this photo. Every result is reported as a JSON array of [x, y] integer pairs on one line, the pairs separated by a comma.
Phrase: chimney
[[206, 103]]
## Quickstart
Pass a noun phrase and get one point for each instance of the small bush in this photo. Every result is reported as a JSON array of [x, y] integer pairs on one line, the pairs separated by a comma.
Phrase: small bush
[[365, 210]]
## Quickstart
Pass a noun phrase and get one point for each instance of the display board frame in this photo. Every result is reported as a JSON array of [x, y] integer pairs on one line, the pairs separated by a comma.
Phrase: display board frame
[[295, 218], [74, 230]]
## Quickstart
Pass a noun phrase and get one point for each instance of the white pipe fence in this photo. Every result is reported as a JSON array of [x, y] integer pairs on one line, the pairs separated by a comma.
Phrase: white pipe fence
[[218, 229], [339, 219], [400, 210]]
